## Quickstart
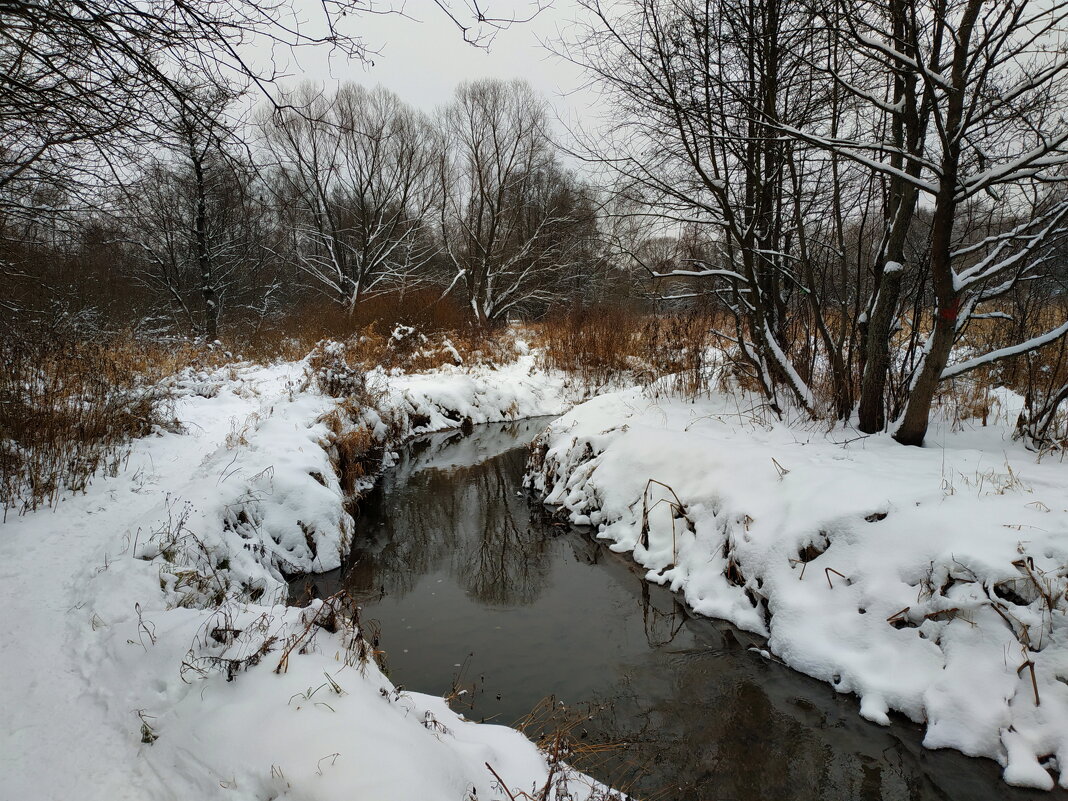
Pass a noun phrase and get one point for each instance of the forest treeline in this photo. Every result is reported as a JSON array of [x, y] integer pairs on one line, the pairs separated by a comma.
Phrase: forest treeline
[[867, 198], [326, 199]]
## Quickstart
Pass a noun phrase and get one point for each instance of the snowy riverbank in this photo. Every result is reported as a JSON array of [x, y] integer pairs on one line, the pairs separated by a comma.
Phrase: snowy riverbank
[[130, 608], [926, 581]]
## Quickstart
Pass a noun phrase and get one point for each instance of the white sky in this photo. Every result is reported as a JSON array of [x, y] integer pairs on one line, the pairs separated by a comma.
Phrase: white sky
[[423, 61]]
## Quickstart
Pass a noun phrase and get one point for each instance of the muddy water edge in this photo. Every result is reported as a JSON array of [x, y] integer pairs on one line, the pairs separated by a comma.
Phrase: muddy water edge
[[475, 590]]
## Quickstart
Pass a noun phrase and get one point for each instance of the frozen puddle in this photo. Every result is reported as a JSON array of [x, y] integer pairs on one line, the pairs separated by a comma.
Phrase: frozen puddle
[[470, 587]]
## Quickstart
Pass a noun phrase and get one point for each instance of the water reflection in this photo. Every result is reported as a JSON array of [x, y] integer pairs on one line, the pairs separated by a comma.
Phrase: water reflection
[[451, 562], [478, 521], [704, 716]]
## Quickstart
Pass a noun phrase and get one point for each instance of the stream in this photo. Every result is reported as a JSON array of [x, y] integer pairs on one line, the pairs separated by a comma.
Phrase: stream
[[475, 590]]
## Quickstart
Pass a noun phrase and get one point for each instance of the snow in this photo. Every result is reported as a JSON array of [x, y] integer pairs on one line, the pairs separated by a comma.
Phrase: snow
[[1004, 353], [148, 653], [446, 397], [920, 580]]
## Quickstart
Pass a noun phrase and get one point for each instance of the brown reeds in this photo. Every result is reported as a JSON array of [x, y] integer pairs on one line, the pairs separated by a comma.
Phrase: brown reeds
[[291, 334], [69, 409], [603, 345]]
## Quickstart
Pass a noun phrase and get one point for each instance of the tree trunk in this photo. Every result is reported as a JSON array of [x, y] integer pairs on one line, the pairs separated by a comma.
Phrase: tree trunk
[[203, 252], [872, 410], [907, 127], [913, 427]]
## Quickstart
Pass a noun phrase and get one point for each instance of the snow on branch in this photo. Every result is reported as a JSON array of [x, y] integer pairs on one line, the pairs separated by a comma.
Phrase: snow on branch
[[1005, 353], [991, 266], [851, 149], [707, 273], [800, 388], [1047, 155]]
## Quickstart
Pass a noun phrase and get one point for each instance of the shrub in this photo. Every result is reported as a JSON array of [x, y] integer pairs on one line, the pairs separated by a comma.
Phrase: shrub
[[602, 345]]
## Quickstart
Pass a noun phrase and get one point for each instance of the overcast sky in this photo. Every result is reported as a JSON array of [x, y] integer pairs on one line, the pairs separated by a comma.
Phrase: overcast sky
[[423, 59]]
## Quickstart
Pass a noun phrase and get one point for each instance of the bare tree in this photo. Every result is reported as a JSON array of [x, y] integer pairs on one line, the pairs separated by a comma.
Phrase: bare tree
[[975, 97], [510, 223], [699, 91], [855, 160], [359, 169], [88, 88], [82, 82], [196, 218]]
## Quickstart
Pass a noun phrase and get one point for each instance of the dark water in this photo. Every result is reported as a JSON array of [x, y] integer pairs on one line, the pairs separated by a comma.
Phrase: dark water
[[472, 588]]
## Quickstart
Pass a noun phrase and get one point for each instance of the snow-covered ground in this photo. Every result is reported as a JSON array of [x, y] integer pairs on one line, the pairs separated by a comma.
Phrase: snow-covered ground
[[148, 653], [927, 581]]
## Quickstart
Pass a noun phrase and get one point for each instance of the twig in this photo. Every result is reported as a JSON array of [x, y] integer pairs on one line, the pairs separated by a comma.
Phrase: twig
[[1034, 681], [500, 781], [827, 572], [897, 614]]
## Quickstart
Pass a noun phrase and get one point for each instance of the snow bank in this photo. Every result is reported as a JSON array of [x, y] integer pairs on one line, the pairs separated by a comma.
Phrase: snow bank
[[149, 654], [927, 581], [452, 396]]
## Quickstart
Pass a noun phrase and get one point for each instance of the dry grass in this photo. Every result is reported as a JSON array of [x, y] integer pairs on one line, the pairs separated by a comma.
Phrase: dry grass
[[560, 733], [682, 351], [338, 365], [595, 344], [69, 409], [1039, 376], [345, 370], [354, 450], [603, 345], [291, 335]]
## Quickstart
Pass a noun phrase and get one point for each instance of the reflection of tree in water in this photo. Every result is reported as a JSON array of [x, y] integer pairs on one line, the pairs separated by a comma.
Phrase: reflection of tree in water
[[403, 534], [713, 730], [475, 516], [663, 615], [504, 560]]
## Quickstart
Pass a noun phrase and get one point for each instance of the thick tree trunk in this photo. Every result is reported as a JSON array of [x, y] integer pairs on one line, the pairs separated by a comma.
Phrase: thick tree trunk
[[913, 426]]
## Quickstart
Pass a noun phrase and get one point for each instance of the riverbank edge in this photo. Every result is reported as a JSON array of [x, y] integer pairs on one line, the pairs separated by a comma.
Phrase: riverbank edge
[[189, 598], [609, 464]]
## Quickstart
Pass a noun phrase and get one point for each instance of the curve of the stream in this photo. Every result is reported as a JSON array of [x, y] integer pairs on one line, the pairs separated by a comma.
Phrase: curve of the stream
[[473, 589]]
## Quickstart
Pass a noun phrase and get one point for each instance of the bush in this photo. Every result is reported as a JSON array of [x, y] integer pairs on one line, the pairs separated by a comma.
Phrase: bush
[[291, 334]]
